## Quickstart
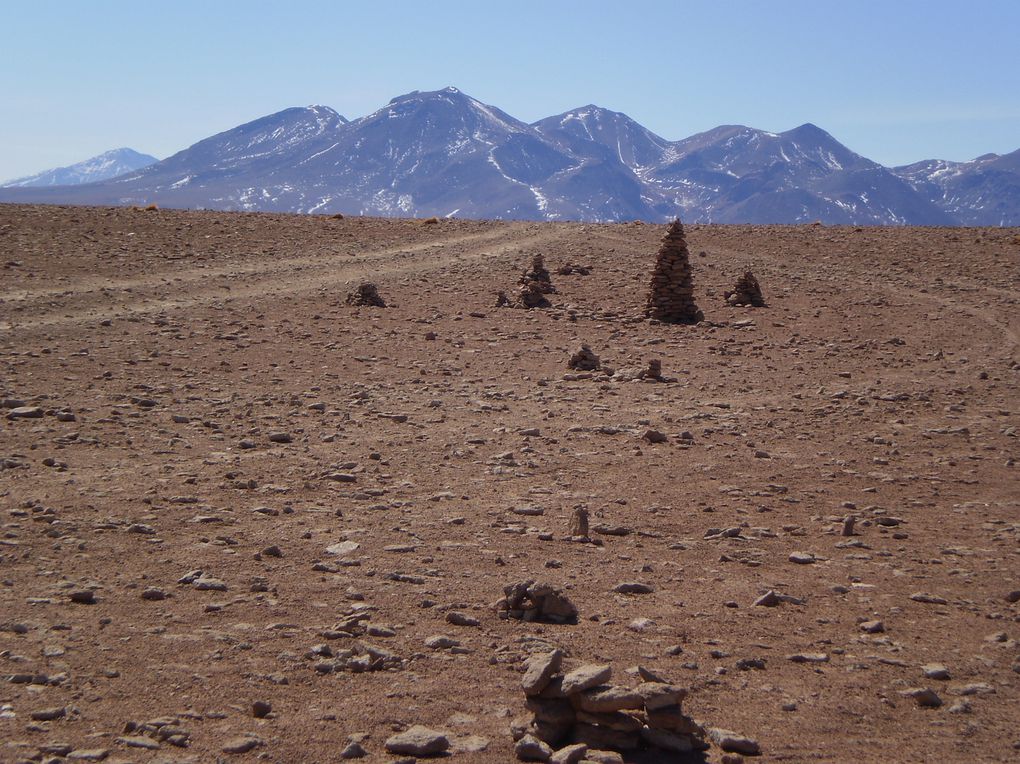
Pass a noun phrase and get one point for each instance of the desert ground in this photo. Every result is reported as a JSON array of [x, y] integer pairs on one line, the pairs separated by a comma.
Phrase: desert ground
[[216, 474]]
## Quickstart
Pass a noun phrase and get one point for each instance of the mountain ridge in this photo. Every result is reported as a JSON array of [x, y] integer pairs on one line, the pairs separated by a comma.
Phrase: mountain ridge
[[446, 153]]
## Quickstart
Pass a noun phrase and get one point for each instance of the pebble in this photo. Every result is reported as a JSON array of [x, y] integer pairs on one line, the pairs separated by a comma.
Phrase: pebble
[[83, 597], [281, 437], [872, 627], [353, 751], [441, 642], [49, 714], [25, 412], [260, 709], [139, 741], [418, 741], [802, 558]]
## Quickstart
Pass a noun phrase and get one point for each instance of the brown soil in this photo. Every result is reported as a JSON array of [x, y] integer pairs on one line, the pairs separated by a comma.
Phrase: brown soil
[[880, 383]]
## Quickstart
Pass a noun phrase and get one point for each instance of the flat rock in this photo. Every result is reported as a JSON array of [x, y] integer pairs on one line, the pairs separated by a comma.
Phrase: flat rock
[[540, 670], [633, 587], [418, 741], [530, 748], [603, 699], [241, 745], [584, 677], [731, 742]]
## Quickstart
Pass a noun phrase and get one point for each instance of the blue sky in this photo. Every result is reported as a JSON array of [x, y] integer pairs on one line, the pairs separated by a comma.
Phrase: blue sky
[[896, 81]]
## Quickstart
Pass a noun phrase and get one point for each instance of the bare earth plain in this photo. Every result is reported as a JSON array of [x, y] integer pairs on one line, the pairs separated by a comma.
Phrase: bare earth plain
[[209, 402]]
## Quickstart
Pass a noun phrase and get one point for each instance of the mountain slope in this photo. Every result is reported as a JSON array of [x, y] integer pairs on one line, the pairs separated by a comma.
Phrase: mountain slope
[[984, 191], [107, 165]]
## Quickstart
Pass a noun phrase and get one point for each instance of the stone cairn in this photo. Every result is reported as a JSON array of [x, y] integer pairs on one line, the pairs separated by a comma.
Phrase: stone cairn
[[584, 360], [671, 296], [747, 291], [576, 713], [366, 295], [534, 601], [534, 285]]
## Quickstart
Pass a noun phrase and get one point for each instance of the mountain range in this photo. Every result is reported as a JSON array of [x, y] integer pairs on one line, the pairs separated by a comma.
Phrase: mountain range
[[444, 153], [107, 165]]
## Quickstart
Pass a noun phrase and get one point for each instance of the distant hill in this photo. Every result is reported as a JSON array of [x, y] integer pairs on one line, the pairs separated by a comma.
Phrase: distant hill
[[107, 165], [445, 153]]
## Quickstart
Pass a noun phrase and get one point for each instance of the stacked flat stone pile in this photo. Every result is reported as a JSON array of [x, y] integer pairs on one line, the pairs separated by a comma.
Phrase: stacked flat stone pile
[[535, 601], [538, 275], [747, 291], [584, 359], [579, 709], [366, 295], [671, 295]]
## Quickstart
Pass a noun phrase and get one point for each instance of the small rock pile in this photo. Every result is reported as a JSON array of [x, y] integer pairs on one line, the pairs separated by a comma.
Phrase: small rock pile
[[534, 601], [571, 269], [535, 284], [584, 360], [366, 295], [747, 291], [671, 295], [539, 276], [576, 715]]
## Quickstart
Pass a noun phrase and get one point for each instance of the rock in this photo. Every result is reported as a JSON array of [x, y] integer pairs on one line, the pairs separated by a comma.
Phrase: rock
[[418, 741], [802, 558], [930, 599], [281, 437], [579, 523], [530, 748], [570, 754], [925, 697], [152, 594], [534, 601], [260, 709], [657, 695], [935, 671], [353, 751], [552, 710], [89, 754], [633, 587], [241, 745], [441, 642], [605, 699], [139, 741], [25, 412], [83, 597], [654, 436], [343, 548], [667, 741], [768, 599], [461, 619], [872, 627], [49, 714], [540, 670], [603, 757], [585, 677], [1013, 596], [808, 658], [209, 584], [731, 742]]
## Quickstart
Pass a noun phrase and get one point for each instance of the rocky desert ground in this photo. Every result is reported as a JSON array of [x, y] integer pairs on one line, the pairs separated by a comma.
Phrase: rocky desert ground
[[246, 520]]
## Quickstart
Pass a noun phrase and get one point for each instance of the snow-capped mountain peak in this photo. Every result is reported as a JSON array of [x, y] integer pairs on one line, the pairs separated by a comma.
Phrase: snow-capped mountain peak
[[105, 166]]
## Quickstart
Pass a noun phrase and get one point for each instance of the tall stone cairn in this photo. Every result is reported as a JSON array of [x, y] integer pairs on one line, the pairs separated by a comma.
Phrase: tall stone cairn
[[671, 295]]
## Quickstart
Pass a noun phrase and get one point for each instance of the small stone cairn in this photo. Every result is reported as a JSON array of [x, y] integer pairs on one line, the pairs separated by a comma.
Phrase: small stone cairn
[[575, 713], [534, 285], [746, 292], [534, 601], [366, 295], [671, 296], [584, 360]]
